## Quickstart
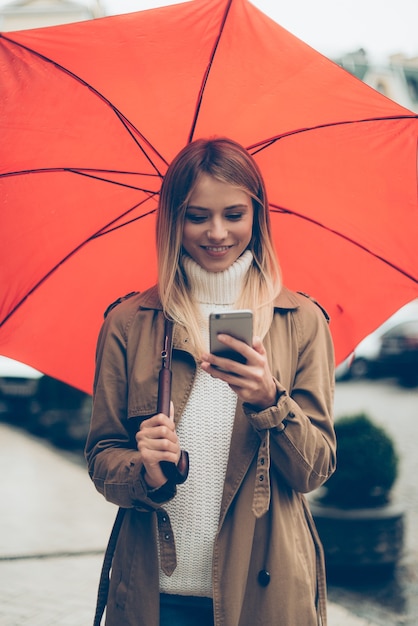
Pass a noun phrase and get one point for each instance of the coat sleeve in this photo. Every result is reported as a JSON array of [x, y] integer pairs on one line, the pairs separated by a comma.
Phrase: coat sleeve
[[300, 426], [114, 463]]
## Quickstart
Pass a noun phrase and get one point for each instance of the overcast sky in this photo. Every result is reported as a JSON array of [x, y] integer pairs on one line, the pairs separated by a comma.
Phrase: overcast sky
[[333, 27]]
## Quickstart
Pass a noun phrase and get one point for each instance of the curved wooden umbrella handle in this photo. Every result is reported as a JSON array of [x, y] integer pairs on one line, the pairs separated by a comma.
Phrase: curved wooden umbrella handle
[[176, 474]]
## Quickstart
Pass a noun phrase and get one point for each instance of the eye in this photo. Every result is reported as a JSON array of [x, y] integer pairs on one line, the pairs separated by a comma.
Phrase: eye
[[234, 217], [195, 218]]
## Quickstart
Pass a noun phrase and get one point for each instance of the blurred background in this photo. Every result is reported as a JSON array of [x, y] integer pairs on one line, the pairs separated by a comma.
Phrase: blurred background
[[376, 42]]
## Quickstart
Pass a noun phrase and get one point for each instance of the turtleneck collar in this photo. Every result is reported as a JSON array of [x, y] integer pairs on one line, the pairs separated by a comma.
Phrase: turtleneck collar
[[217, 287]]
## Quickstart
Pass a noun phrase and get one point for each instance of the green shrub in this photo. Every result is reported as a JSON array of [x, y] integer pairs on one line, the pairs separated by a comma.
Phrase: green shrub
[[367, 464]]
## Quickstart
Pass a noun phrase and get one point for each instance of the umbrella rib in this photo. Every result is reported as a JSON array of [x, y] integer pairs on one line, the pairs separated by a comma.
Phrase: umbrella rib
[[85, 172], [255, 148], [207, 72], [88, 174], [128, 126], [122, 118], [105, 230], [277, 209]]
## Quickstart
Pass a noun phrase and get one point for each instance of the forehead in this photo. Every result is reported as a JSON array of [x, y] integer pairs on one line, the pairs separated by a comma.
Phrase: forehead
[[210, 193]]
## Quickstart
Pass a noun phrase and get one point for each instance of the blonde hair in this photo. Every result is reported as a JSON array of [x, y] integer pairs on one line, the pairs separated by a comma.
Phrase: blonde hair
[[229, 162]]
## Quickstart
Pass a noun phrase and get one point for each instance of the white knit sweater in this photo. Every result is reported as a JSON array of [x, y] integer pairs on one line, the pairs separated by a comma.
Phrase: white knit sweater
[[205, 432]]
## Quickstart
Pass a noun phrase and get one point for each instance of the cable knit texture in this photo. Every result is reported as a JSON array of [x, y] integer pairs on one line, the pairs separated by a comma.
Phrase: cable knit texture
[[205, 432]]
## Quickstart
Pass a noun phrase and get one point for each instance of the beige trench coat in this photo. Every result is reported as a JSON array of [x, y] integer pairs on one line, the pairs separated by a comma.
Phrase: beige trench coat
[[267, 561]]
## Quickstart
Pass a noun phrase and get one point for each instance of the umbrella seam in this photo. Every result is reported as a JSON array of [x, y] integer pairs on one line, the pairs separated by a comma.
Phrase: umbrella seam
[[85, 172], [266, 143], [105, 230], [283, 211], [124, 120], [208, 69]]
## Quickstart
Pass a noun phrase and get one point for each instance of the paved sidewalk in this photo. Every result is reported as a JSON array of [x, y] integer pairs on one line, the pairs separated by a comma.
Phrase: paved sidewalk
[[53, 530]]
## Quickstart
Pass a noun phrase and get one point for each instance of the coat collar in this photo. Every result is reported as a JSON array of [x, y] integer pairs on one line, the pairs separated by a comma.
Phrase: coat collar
[[150, 299]]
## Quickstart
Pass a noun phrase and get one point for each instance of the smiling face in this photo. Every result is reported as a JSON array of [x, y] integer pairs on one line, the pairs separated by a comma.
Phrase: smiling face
[[218, 223]]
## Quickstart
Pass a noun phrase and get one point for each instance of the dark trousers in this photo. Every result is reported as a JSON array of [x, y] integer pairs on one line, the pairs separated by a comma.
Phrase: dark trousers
[[185, 610]]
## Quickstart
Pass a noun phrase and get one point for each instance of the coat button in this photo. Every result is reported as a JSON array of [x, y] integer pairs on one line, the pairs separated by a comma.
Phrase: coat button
[[264, 577]]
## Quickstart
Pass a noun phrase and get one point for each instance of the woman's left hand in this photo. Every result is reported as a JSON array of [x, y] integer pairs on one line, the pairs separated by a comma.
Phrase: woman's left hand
[[252, 381]]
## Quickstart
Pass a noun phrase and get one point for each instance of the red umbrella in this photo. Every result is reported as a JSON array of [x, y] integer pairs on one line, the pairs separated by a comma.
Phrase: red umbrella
[[91, 113]]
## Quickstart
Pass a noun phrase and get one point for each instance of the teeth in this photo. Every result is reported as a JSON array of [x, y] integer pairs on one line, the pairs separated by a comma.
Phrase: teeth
[[221, 249]]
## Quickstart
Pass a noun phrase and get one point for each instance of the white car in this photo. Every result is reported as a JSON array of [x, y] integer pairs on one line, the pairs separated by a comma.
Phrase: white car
[[18, 389], [364, 362]]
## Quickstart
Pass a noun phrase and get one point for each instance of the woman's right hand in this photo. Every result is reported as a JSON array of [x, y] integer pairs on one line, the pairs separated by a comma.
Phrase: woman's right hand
[[157, 441]]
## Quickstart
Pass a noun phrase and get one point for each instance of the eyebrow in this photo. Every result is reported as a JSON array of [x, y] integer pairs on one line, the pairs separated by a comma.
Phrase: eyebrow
[[227, 208]]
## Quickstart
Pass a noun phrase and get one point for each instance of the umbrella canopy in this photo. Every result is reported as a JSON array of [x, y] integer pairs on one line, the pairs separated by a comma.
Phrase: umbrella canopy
[[92, 113]]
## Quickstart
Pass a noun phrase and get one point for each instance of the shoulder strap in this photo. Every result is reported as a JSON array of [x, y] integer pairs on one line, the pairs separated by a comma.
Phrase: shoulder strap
[[324, 311], [104, 582], [118, 301]]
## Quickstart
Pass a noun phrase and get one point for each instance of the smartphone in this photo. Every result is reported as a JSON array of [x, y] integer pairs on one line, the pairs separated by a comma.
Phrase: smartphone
[[238, 324]]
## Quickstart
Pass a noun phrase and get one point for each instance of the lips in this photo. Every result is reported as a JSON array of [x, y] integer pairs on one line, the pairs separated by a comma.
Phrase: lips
[[216, 251]]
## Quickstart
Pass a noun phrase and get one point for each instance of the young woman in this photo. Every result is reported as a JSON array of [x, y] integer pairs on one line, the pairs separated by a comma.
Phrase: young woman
[[235, 544]]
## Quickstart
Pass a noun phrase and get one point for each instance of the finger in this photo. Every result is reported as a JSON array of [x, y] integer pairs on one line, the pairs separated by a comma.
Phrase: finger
[[258, 345], [235, 344], [152, 457], [160, 444], [153, 424], [229, 364], [160, 441], [218, 366]]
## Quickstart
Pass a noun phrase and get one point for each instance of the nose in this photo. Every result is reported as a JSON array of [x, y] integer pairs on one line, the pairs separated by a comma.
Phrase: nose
[[217, 230]]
